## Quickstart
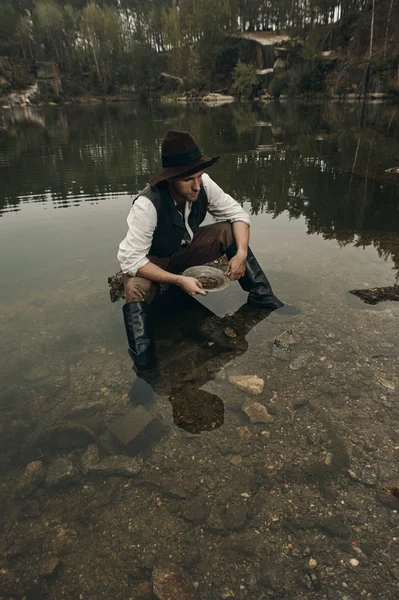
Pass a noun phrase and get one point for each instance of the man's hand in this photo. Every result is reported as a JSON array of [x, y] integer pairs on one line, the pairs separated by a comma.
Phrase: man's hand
[[237, 266], [191, 285]]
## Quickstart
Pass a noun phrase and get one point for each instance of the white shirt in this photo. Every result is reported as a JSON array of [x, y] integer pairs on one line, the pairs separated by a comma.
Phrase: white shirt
[[142, 221]]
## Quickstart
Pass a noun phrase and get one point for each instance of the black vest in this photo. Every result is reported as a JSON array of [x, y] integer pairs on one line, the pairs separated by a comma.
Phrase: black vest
[[169, 232]]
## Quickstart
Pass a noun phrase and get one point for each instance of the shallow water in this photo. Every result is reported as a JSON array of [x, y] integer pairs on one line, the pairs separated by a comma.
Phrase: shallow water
[[325, 220]]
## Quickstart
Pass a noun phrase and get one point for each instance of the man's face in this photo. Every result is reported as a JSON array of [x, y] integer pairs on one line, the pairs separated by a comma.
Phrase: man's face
[[187, 187]]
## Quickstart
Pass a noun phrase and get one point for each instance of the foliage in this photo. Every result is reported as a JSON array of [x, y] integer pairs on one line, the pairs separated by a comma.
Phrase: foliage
[[115, 42], [246, 83]]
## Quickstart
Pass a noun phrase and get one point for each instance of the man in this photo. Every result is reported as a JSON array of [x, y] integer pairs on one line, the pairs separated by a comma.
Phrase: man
[[165, 238]]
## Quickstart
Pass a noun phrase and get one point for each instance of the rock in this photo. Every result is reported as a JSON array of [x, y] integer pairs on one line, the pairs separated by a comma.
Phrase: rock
[[282, 345], [369, 476], [172, 585], [236, 460], [61, 473], [230, 332], [257, 413], [89, 458], [301, 361], [281, 350], [271, 573], [217, 99], [122, 466], [178, 488], [248, 383], [37, 373], [34, 475], [354, 562], [87, 409], [388, 385], [389, 496], [195, 510], [59, 436], [48, 567], [235, 516], [246, 544], [334, 527], [215, 519], [137, 430], [312, 563], [144, 590]]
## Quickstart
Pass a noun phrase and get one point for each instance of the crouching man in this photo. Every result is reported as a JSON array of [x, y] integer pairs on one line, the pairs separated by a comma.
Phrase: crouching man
[[165, 237]]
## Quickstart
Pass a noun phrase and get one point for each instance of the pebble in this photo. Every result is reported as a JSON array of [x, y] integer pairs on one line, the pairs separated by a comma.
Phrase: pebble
[[230, 332], [312, 563], [354, 563], [248, 383], [236, 460]]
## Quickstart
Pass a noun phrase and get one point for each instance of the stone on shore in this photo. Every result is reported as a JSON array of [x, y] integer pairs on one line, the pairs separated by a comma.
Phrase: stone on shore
[[217, 99], [251, 384]]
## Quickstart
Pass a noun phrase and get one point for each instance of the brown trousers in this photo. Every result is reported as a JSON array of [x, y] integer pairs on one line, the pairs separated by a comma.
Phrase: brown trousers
[[209, 243]]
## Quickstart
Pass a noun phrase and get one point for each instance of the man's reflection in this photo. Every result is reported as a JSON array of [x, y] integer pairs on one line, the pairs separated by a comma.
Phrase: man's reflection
[[202, 344]]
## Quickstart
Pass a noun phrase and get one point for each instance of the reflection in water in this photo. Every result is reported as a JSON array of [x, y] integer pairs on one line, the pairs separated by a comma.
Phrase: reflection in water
[[216, 341], [318, 162]]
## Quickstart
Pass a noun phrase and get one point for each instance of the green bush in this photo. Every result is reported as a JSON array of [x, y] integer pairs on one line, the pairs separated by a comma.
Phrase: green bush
[[246, 82]]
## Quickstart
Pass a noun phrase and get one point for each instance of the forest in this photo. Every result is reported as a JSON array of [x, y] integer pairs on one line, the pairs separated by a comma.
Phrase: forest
[[109, 46]]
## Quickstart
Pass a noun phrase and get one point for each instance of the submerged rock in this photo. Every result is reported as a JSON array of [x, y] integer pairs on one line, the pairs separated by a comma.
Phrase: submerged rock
[[248, 383], [61, 473], [301, 361], [282, 345], [124, 466], [62, 435], [257, 413], [172, 585], [34, 475], [89, 458], [48, 567]]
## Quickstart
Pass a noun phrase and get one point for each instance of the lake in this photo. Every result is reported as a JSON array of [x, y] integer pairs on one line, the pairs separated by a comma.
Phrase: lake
[[127, 489]]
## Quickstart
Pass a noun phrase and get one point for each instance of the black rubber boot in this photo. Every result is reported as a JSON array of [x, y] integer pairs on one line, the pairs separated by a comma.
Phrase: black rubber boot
[[256, 283], [140, 339]]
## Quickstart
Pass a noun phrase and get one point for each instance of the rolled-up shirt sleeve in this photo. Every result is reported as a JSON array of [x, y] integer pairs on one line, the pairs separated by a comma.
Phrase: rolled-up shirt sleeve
[[221, 205], [134, 248]]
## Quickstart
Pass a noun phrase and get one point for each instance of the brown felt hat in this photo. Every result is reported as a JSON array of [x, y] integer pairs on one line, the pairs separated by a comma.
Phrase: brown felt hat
[[180, 155]]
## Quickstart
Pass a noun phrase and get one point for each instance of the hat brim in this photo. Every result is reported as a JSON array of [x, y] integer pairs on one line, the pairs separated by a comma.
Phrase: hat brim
[[187, 169]]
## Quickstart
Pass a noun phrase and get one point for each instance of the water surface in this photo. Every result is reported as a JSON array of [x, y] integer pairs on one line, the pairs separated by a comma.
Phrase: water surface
[[324, 220]]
